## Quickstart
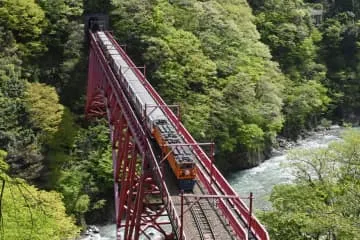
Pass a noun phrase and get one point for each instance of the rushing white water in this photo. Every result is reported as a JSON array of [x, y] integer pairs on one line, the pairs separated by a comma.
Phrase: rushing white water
[[259, 180]]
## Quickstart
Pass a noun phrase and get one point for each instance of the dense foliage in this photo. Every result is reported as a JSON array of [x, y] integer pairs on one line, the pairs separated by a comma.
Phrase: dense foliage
[[43, 66], [287, 28], [323, 203], [325, 54], [207, 57], [240, 77], [321, 63], [27, 212]]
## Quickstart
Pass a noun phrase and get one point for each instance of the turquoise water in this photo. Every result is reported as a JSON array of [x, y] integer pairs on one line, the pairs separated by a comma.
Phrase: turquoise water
[[259, 180]]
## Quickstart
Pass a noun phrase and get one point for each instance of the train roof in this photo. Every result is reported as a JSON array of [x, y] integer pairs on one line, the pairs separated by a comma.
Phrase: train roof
[[182, 154]]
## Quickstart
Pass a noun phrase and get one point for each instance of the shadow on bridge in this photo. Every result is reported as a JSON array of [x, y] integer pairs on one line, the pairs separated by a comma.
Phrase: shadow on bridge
[[146, 194]]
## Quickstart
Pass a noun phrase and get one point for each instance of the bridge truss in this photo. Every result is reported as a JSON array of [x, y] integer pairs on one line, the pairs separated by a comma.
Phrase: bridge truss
[[142, 196]]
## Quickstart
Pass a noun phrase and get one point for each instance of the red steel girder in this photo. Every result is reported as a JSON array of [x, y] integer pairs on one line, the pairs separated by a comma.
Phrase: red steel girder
[[216, 184], [131, 149], [133, 159]]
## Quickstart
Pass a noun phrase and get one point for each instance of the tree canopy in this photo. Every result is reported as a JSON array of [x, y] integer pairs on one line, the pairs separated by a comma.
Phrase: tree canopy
[[42, 104], [206, 57], [26, 21], [27, 212], [323, 203], [243, 74]]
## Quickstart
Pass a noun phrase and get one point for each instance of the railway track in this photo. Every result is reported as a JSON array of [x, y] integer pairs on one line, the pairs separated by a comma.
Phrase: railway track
[[251, 235], [202, 221]]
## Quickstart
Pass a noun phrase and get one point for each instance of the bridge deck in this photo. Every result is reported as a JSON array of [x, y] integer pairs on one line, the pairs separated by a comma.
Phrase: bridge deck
[[229, 220], [191, 230]]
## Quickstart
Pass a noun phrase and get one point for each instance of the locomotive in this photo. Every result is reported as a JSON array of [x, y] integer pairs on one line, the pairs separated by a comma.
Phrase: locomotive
[[180, 157]]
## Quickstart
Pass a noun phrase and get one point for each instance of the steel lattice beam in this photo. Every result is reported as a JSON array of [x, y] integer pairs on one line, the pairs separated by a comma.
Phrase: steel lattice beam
[[131, 152], [137, 174]]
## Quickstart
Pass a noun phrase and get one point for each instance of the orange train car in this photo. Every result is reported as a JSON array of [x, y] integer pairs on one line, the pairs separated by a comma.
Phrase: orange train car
[[180, 157]]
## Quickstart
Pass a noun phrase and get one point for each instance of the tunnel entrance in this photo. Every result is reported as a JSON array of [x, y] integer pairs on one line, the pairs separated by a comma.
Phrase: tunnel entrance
[[96, 22], [95, 25]]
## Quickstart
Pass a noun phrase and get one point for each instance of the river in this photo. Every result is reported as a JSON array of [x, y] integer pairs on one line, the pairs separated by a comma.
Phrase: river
[[261, 179]]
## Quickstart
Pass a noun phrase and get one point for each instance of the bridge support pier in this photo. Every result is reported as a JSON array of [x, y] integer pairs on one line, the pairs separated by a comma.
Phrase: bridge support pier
[[138, 199], [142, 196]]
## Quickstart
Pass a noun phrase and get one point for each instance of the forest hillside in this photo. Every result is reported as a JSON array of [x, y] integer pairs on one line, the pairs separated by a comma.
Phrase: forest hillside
[[243, 74]]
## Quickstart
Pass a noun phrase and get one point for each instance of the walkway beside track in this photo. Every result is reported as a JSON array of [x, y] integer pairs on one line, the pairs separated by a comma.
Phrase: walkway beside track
[[229, 218], [217, 223]]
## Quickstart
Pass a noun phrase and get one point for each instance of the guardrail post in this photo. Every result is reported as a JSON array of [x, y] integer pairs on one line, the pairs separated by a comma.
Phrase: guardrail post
[[102, 76], [212, 158], [250, 210], [182, 215]]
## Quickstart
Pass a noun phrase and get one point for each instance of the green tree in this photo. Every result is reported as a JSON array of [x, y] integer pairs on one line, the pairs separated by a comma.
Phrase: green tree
[[198, 54], [341, 52], [16, 136], [31, 213], [182, 66], [86, 180], [26, 21], [43, 63], [63, 66], [323, 202], [42, 104], [286, 27], [304, 106]]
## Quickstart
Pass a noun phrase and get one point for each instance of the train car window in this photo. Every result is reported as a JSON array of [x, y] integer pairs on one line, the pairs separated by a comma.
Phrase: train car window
[[186, 166]]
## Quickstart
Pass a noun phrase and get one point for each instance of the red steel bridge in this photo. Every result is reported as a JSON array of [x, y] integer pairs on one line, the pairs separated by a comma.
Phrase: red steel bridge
[[146, 196]]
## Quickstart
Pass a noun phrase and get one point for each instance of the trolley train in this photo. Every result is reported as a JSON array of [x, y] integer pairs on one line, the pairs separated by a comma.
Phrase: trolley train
[[180, 157]]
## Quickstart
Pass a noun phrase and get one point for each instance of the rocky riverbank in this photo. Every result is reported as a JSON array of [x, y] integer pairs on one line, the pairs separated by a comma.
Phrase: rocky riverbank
[[261, 179], [282, 144], [253, 159]]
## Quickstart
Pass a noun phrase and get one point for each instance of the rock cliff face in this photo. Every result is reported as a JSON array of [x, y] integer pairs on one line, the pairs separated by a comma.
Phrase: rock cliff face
[[246, 160], [254, 158]]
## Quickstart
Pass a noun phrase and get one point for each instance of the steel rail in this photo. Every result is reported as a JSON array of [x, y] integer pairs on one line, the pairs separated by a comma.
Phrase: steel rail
[[138, 132], [198, 212], [221, 184]]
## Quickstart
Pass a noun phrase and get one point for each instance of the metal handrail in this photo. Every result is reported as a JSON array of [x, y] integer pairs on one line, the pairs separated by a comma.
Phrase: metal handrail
[[258, 230], [139, 133]]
